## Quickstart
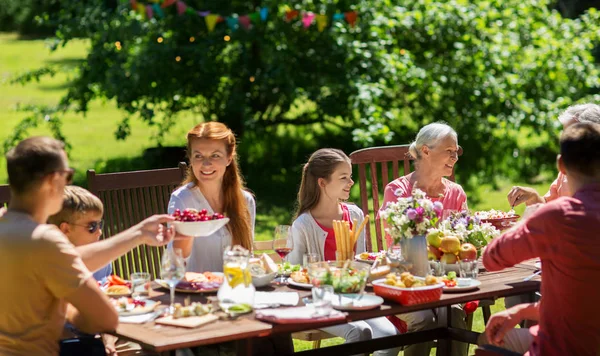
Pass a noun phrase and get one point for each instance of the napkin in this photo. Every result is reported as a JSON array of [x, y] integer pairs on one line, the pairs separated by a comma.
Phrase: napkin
[[275, 299], [297, 315], [137, 319]]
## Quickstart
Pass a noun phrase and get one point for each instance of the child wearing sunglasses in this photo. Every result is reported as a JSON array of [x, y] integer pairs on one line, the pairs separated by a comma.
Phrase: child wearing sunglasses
[[80, 219]]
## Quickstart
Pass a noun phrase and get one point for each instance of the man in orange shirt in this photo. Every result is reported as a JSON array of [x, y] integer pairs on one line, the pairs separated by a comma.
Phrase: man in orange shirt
[[46, 280]]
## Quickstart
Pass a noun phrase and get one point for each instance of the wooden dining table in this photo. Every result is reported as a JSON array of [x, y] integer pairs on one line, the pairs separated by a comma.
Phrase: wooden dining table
[[245, 329]]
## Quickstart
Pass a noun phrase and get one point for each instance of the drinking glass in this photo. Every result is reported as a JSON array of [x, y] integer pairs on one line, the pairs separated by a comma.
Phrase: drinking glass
[[309, 258], [437, 268], [140, 285], [172, 270], [322, 299], [468, 269], [283, 243]]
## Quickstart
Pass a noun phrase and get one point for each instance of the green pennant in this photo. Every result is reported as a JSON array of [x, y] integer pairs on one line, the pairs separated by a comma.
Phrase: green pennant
[[254, 17]]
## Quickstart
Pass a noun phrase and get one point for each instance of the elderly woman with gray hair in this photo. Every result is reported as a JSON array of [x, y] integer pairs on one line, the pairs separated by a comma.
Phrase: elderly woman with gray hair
[[435, 151], [559, 188]]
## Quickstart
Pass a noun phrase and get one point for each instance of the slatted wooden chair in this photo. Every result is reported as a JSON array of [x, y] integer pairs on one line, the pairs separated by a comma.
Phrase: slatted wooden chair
[[314, 336], [4, 194], [128, 198], [372, 161]]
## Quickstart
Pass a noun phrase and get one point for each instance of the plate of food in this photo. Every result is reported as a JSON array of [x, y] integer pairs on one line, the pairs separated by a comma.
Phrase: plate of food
[[300, 279], [356, 301], [452, 284], [344, 276], [115, 286], [192, 222], [407, 289], [499, 219], [129, 306], [194, 282], [285, 269], [367, 257]]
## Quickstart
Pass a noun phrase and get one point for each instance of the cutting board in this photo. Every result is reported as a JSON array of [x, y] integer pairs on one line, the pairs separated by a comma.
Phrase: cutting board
[[189, 322]]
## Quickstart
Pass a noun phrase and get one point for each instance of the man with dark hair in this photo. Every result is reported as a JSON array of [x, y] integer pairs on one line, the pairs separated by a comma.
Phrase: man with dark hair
[[563, 234], [47, 281]]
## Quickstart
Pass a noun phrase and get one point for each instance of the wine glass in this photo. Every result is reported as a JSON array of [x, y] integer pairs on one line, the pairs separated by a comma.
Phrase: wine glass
[[283, 243], [172, 270]]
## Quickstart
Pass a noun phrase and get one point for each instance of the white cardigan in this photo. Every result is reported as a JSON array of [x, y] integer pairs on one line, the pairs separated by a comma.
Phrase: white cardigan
[[310, 238]]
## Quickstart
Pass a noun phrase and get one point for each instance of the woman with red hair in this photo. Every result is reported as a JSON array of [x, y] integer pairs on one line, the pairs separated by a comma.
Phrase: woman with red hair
[[214, 183]]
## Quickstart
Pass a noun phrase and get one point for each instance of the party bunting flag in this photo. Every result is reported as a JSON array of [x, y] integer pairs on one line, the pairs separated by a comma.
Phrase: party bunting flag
[[203, 13], [264, 12], [181, 7], [254, 17], [211, 22], [158, 11], [351, 17], [291, 14], [244, 21], [133, 4], [167, 3], [141, 9], [338, 17], [307, 19], [149, 11], [220, 19], [321, 22], [232, 23]]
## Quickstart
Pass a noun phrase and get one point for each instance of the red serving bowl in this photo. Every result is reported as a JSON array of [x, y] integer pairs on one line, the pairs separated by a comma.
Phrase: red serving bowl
[[408, 296], [503, 223]]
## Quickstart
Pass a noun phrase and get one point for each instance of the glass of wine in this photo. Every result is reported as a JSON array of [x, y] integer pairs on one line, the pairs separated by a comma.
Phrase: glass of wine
[[172, 270], [283, 243]]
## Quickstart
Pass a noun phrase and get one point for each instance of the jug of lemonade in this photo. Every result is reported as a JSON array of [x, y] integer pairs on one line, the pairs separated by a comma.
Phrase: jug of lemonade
[[237, 285]]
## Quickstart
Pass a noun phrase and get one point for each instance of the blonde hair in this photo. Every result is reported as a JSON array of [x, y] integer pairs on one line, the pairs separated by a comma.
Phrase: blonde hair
[[234, 204], [76, 202], [430, 135]]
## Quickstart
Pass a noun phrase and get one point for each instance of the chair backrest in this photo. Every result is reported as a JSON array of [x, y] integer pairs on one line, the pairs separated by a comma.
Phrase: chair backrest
[[128, 198], [369, 159], [258, 247], [4, 194]]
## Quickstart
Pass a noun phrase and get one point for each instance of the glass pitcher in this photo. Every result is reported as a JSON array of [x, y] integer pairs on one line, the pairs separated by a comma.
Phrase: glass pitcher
[[237, 285]]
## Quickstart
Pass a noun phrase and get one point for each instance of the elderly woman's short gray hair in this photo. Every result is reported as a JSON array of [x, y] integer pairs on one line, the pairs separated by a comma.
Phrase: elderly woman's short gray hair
[[430, 135], [581, 112]]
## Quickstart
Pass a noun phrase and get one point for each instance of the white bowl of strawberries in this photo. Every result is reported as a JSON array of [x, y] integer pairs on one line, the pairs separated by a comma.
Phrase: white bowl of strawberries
[[192, 222]]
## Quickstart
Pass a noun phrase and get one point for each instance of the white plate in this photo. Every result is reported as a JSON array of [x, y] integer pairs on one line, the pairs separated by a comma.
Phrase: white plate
[[351, 302], [357, 257], [291, 282], [474, 285], [148, 308], [199, 228]]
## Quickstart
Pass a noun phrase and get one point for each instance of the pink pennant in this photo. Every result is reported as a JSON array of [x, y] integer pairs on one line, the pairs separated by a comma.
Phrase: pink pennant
[[181, 7], [149, 11], [244, 21], [307, 19]]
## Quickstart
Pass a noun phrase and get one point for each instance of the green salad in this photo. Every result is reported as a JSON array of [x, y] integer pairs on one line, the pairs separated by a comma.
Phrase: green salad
[[350, 282], [288, 268]]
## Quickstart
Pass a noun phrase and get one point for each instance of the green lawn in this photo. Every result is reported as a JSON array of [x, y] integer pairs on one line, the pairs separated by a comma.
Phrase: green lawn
[[94, 145]]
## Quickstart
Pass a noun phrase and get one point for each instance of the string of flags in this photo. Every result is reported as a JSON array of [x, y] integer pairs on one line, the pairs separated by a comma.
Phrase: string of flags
[[158, 7]]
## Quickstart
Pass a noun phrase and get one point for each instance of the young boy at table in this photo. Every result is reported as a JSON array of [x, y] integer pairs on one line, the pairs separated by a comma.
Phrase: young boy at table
[[80, 219], [47, 280], [563, 234]]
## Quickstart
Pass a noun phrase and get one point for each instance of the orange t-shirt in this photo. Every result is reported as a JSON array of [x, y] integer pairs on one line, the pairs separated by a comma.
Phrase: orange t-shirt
[[38, 268]]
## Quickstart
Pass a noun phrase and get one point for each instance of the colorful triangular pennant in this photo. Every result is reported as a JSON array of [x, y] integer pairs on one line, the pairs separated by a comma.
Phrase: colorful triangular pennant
[[307, 19], [158, 11], [181, 7], [264, 12], [211, 21], [149, 11], [351, 17], [232, 23], [167, 3], [291, 14], [322, 21], [244, 21], [254, 17]]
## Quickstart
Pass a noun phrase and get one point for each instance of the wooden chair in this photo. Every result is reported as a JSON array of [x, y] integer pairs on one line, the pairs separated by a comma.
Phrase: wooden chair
[[128, 198], [4, 194], [315, 336]]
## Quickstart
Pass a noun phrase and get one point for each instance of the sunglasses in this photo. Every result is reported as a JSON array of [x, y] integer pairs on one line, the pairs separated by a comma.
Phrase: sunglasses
[[93, 226]]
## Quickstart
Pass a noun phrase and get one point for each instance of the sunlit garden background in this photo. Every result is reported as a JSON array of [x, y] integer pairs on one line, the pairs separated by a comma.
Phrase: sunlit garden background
[[122, 89]]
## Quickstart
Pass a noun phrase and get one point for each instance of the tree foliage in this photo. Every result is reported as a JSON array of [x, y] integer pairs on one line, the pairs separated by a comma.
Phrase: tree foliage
[[499, 71]]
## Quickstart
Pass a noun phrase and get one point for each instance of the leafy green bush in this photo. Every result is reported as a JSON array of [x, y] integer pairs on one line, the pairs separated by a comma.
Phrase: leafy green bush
[[29, 17], [499, 71]]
